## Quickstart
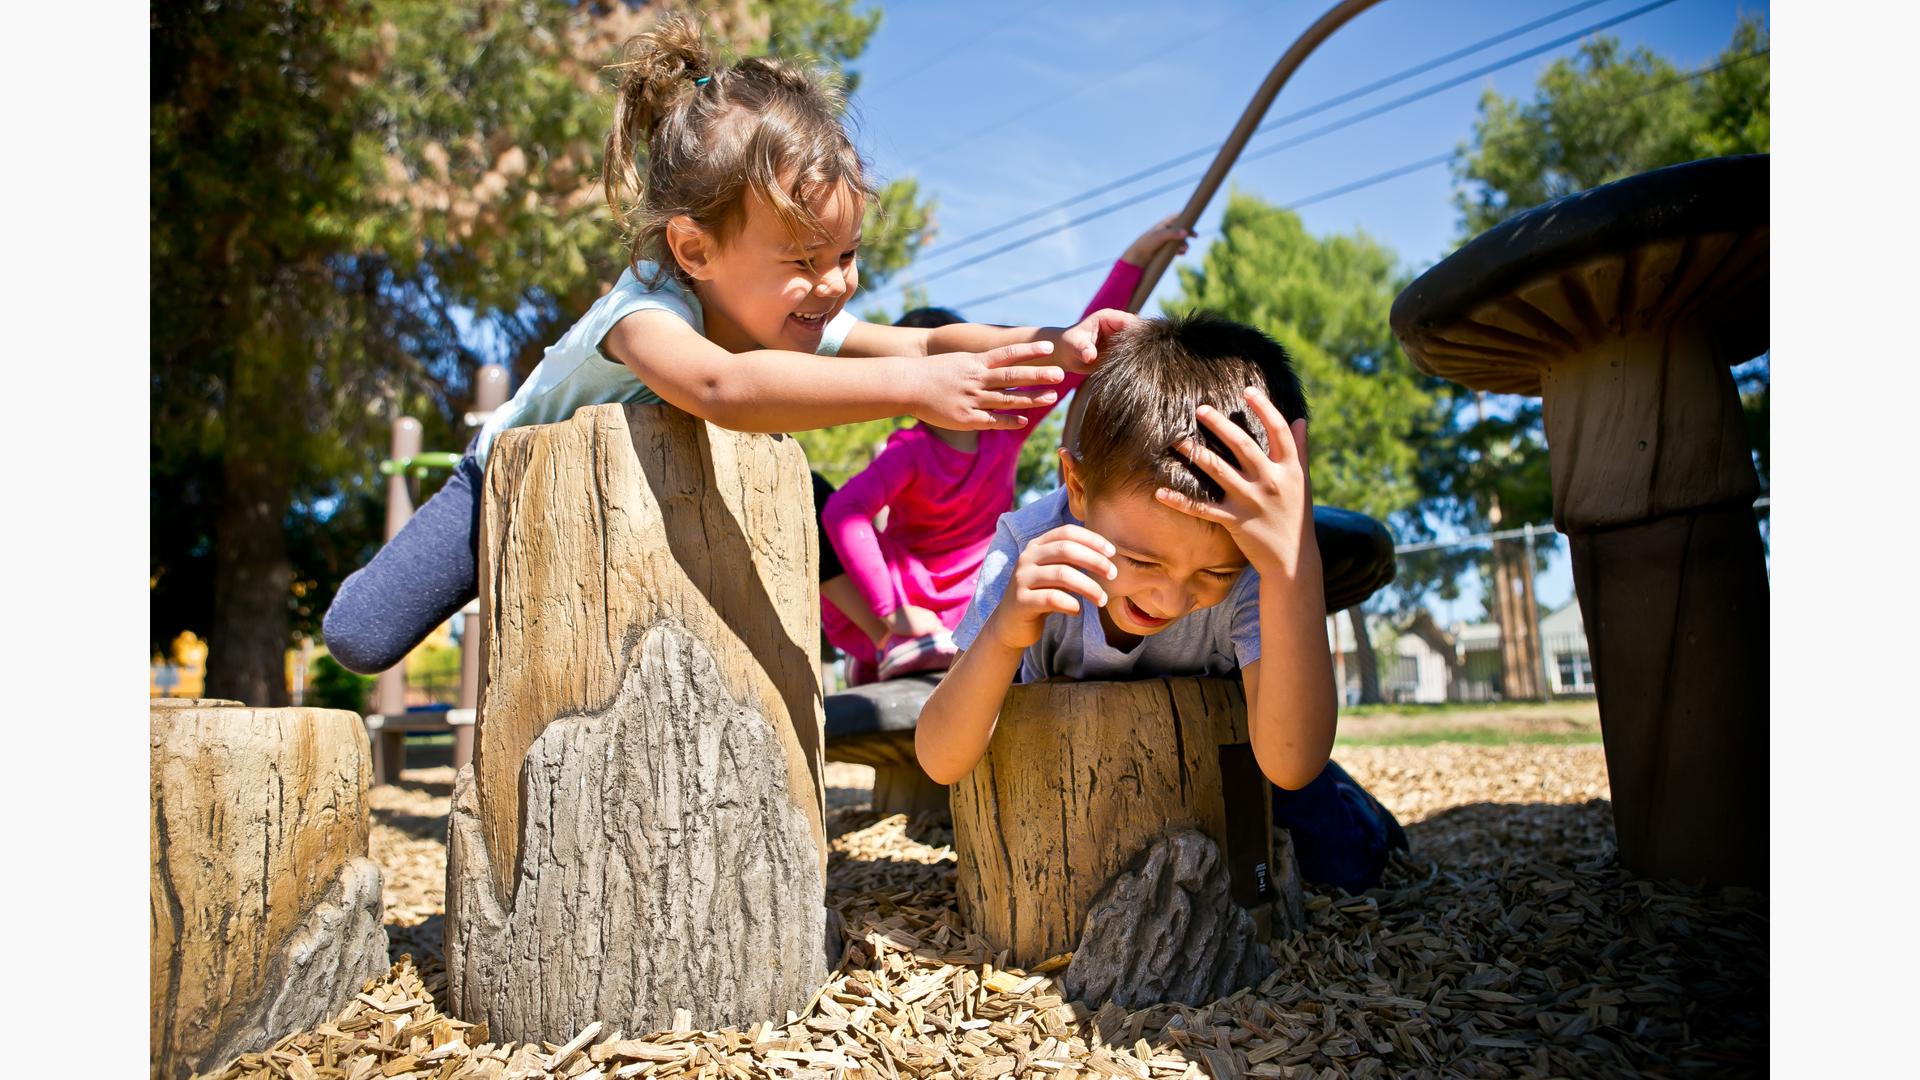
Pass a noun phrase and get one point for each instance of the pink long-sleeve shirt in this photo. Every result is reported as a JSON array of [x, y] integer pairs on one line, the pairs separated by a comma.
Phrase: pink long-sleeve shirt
[[943, 504]]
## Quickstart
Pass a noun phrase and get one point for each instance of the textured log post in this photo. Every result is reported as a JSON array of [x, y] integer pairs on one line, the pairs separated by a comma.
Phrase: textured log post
[[265, 908], [1623, 307], [642, 825], [1126, 823]]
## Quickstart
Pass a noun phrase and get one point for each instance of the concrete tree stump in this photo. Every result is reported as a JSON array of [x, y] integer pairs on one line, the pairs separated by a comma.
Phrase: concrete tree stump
[[642, 825], [1623, 308], [1118, 821], [265, 910]]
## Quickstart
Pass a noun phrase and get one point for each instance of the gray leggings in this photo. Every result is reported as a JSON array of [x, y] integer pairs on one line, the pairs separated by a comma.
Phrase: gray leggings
[[431, 570], [416, 582]]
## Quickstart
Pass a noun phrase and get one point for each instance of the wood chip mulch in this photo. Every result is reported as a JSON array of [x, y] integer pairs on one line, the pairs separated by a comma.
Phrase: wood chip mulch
[[1509, 944]]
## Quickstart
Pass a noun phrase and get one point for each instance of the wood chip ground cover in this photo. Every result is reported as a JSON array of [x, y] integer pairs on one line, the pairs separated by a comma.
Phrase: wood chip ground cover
[[1508, 945]]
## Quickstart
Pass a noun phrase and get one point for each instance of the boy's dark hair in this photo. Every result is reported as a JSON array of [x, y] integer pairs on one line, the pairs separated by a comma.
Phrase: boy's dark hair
[[926, 318], [1140, 401]]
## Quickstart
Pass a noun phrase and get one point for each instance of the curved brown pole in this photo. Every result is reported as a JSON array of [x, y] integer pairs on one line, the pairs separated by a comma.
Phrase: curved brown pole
[[1229, 153]]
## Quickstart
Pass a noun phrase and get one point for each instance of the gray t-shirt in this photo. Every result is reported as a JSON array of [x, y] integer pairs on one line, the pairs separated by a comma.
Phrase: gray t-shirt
[[1217, 640]]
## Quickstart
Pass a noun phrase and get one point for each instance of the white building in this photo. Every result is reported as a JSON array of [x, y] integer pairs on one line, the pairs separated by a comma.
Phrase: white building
[[1415, 674]]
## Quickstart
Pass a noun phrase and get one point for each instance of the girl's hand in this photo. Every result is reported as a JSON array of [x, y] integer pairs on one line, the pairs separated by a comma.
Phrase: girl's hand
[[1055, 567], [909, 621], [1082, 343], [1141, 251], [974, 391], [1268, 506]]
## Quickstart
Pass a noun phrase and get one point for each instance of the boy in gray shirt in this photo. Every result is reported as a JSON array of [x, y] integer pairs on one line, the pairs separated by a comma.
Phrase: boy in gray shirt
[[1181, 543]]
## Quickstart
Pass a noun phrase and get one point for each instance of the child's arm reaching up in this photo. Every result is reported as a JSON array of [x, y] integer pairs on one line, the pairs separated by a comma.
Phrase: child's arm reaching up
[[1268, 509], [773, 390], [1051, 575]]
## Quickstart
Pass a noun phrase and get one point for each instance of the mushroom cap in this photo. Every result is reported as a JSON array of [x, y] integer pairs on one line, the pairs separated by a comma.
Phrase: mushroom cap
[[1637, 256]]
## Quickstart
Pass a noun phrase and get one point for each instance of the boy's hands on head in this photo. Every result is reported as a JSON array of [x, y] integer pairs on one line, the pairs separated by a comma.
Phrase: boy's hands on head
[[1268, 506], [1056, 569], [1082, 343], [965, 391]]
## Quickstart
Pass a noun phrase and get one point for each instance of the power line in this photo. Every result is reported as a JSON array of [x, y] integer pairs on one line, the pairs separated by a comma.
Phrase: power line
[[1327, 129], [1355, 185], [1418, 69], [1377, 178], [1024, 286]]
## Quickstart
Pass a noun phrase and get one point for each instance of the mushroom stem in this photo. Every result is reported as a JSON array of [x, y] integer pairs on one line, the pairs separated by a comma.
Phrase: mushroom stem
[[1645, 426], [1654, 483], [1676, 615]]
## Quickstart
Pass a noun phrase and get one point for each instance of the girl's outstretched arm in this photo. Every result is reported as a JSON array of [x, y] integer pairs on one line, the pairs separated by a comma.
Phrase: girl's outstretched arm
[[773, 390], [1077, 347]]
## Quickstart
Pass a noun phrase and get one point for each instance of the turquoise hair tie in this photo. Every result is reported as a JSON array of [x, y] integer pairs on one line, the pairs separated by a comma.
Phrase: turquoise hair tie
[[703, 80]]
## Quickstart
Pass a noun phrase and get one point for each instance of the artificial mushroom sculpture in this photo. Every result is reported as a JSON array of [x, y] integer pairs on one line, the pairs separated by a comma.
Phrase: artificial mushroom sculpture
[[1624, 307]]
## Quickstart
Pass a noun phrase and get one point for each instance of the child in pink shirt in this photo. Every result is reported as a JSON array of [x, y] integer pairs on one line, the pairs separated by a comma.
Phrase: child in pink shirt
[[942, 491]]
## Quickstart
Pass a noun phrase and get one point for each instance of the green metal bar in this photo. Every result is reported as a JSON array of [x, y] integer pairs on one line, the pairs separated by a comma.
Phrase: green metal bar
[[418, 464]]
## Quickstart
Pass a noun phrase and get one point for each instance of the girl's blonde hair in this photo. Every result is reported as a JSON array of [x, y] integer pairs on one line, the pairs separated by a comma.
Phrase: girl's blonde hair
[[691, 136]]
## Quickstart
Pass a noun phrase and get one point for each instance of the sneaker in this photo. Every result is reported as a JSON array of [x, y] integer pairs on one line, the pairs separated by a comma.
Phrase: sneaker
[[910, 656], [861, 671]]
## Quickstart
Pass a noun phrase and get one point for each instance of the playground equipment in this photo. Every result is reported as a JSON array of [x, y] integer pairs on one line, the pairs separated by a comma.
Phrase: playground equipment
[[641, 829], [1126, 823], [265, 908], [1623, 307], [391, 722]]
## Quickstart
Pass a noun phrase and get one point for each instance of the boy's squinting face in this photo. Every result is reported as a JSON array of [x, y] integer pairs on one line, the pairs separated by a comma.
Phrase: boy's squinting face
[[762, 290], [1170, 564]]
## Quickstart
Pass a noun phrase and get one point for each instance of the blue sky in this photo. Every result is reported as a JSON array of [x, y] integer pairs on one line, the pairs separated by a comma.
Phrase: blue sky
[[1004, 108]]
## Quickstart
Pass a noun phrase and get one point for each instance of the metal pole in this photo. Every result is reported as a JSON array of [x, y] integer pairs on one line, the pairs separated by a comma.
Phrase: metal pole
[[1223, 161], [1533, 620]]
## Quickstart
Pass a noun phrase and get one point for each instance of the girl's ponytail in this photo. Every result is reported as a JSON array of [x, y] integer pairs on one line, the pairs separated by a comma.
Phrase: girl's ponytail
[[663, 69]]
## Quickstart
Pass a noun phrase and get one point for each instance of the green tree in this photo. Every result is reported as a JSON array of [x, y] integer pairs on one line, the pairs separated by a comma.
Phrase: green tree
[[1326, 300], [1607, 114], [354, 203]]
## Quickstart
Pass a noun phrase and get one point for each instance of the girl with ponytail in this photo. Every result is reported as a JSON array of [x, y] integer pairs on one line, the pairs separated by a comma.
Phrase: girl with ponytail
[[741, 198]]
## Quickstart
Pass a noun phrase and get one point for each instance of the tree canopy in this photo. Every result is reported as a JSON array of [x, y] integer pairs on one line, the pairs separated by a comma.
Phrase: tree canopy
[[1606, 114]]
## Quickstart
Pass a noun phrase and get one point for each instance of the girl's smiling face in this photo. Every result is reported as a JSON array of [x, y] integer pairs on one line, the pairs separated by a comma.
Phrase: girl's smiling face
[[763, 288]]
